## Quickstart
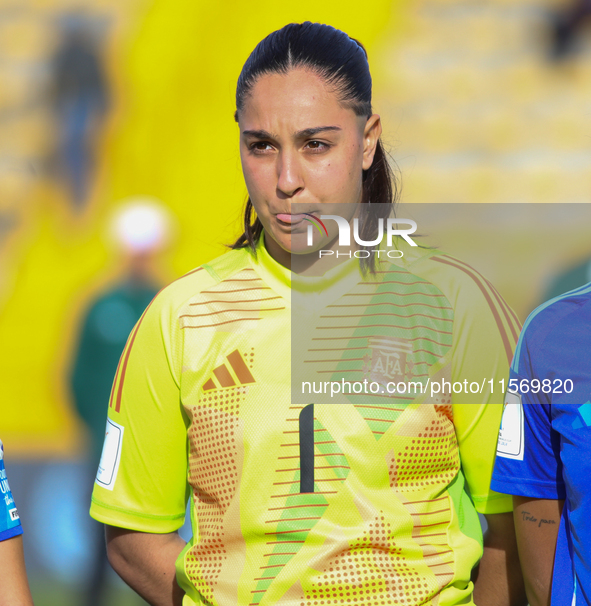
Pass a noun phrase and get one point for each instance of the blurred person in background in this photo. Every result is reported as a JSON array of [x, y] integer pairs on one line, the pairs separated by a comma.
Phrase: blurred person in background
[[14, 587], [565, 281], [79, 96], [566, 26], [140, 228]]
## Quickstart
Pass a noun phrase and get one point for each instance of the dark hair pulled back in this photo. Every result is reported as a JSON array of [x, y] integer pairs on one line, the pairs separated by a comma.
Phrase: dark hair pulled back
[[341, 62]]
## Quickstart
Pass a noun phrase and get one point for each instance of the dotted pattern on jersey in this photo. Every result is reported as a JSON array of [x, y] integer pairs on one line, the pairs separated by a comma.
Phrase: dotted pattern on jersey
[[430, 459], [431, 519], [300, 512], [372, 571], [429, 463], [215, 462]]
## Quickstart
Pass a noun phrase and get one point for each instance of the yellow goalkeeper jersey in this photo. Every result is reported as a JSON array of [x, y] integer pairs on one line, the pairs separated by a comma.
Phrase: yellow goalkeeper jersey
[[383, 509]]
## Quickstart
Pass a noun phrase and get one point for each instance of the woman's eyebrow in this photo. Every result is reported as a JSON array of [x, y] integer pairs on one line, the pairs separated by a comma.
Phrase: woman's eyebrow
[[310, 132], [301, 134], [259, 134]]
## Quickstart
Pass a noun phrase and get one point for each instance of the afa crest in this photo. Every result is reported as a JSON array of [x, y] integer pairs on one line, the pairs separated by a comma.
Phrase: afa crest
[[389, 360]]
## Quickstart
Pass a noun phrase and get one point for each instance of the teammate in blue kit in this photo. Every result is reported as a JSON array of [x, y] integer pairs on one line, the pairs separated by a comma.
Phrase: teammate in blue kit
[[544, 448], [14, 588]]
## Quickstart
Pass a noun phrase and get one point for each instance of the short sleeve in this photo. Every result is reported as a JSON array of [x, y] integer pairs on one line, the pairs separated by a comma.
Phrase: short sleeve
[[477, 430], [10, 524], [141, 482], [528, 450], [485, 334]]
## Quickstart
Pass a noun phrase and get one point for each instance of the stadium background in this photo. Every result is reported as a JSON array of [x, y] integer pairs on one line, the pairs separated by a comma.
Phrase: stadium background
[[474, 111]]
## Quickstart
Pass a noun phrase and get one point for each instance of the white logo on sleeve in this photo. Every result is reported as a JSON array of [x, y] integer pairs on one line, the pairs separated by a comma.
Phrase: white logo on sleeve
[[13, 515], [109, 465], [511, 434]]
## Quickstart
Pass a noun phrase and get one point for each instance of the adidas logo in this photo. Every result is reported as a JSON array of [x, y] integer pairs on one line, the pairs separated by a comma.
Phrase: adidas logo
[[222, 377]]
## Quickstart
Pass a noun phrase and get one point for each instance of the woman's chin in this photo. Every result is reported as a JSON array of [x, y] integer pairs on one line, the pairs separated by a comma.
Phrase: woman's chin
[[294, 243]]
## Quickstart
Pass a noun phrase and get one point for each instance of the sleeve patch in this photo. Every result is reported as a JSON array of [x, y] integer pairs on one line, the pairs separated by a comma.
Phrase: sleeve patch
[[511, 435], [109, 465]]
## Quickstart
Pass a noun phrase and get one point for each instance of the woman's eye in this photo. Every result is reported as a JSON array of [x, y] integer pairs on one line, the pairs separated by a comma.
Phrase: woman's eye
[[260, 147], [317, 145]]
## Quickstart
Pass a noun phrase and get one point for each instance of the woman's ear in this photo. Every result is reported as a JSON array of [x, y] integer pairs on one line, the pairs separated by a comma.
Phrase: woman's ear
[[371, 135]]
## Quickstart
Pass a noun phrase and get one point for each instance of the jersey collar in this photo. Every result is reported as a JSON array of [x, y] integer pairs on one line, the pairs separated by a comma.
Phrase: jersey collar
[[317, 290]]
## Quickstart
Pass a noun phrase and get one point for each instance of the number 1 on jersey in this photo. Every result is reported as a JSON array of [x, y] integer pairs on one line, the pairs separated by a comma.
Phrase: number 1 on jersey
[[306, 426]]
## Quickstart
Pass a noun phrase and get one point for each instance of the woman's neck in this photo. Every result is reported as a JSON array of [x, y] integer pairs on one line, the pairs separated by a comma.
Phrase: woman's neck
[[310, 264]]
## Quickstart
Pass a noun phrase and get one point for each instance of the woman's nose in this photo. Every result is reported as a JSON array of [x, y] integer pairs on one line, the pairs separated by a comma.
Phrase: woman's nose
[[289, 174]]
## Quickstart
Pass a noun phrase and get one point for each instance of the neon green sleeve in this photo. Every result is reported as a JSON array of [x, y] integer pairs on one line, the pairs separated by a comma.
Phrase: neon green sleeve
[[485, 331], [477, 426], [142, 479]]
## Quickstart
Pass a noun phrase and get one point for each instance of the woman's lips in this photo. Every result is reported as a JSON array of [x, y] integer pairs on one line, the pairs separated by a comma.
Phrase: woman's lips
[[291, 219]]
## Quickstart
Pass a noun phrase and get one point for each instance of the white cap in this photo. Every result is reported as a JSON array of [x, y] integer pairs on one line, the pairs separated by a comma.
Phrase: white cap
[[141, 224]]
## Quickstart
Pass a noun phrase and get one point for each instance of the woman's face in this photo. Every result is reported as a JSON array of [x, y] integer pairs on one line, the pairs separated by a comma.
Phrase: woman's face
[[299, 144]]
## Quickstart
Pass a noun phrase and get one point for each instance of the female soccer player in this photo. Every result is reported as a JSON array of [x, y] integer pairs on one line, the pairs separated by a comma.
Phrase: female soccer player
[[364, 502], [14, 587], [543, 451]]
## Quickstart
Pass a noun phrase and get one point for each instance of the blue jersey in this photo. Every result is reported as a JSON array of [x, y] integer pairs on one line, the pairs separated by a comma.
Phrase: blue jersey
[[544, 447], [10, 524]]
